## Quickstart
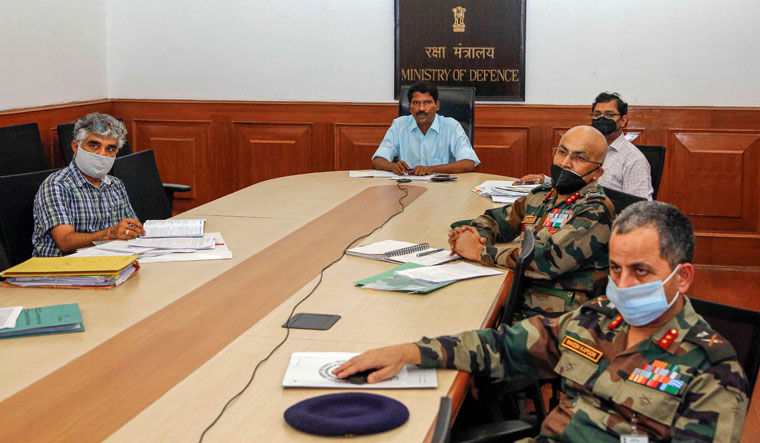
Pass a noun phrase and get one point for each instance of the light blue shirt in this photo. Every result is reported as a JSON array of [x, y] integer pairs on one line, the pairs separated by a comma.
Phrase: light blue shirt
[[445, 142]]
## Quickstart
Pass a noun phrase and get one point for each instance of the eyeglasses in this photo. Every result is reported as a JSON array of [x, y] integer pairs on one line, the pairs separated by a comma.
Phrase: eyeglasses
[[562, 153], [608, 114]]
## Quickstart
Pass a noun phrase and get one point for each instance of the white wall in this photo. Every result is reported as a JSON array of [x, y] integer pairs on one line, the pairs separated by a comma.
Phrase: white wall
[[51, 52], [655, 52]]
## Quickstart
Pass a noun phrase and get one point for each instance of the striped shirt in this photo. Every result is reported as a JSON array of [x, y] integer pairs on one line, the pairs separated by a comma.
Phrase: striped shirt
[[627, 169], [67, 198]]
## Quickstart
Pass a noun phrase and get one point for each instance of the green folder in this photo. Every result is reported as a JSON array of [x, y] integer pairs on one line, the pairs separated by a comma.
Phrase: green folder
[[388, 281], [46, 320]]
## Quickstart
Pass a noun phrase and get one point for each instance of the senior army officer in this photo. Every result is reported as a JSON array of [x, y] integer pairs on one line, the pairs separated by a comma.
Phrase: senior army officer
[[425, 142], [638, 361], [81, 203], [571, 220]]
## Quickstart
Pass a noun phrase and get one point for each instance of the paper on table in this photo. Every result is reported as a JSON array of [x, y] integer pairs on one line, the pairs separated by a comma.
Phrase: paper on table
[[205, 242], [8, 316], [314, 370], [220, 252], [505, 198], [442, 273], [414, 178], [174, 228], [370, 173]]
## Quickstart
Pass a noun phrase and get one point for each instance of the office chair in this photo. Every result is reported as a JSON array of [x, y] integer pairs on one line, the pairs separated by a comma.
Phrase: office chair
[[500, 398], [456, 102], [3, 259], [66, 136], [151, 199], [656, 157], [620, 199], [741, 327], [442, 431], [16, 213], [21, 149]]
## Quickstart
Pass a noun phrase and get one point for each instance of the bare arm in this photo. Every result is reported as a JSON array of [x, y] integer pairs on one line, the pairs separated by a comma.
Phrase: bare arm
[[68, 240], [449, 168], [398, 168]]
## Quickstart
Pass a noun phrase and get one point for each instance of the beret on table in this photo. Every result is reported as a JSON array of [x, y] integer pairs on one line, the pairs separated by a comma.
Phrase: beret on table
[[351, 413]]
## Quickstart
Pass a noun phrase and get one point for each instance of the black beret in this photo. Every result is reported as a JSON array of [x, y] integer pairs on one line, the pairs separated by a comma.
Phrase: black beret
[[351, 413]]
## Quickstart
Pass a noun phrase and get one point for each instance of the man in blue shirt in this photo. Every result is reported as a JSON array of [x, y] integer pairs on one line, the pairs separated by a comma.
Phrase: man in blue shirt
[[424, 142]]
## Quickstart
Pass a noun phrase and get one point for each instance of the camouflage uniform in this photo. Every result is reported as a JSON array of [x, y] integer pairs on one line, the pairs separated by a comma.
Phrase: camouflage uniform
[[571, 257], [601, 399]]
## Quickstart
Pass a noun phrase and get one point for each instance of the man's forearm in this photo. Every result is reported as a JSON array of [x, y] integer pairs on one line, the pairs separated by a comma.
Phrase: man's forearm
[[382, 164], [75, 240]]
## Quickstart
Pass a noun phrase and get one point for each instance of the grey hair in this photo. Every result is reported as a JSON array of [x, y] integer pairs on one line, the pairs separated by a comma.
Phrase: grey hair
[[673, 227], [102, 125]]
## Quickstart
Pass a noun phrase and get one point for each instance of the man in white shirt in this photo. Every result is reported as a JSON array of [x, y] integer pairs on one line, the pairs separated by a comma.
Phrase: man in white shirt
[[626, 169]]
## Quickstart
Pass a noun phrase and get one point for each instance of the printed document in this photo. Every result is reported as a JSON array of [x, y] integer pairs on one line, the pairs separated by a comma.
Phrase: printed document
[[443, 273], [174, 228]]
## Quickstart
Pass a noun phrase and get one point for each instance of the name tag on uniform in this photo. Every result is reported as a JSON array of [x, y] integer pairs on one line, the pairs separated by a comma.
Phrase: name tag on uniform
[[634, 438], [582, 349], [529, 219]]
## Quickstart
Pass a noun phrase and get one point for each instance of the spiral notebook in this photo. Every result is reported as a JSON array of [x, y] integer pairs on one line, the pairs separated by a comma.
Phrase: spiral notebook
[[394, 251]]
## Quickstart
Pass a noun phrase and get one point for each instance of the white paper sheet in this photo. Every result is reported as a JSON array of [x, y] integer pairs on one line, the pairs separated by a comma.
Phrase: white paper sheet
[[443, 273], [314, 370], [174, 228], [8, 316], [370, 174], [220, 252], [414, 178]]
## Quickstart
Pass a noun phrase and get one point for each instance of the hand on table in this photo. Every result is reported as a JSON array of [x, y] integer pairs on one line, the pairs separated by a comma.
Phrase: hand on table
[[400, 168], [387, 361], [467, 242], [530, 179], [127, 229], [422, 170]]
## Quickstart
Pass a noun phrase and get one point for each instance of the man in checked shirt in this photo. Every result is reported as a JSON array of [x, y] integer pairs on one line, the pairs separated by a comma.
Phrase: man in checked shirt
[[626, 169]]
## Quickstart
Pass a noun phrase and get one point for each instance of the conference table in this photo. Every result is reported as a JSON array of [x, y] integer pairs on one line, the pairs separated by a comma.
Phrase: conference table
[[162, 353]]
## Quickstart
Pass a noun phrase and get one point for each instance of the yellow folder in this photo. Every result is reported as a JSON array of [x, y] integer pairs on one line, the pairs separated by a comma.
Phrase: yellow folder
[[58, 266]]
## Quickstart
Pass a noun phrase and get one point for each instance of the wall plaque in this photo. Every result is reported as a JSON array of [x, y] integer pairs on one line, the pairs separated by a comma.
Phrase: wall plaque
[[478, 43]]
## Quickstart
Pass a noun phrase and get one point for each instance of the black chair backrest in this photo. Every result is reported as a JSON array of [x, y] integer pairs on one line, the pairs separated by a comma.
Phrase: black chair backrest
[[140, 175], [4, 264], [621, 199], [456, 102], [527, 248], [442, 431], [741, 327], [66, 135], [656, 157], [21, 150], [16, 213]]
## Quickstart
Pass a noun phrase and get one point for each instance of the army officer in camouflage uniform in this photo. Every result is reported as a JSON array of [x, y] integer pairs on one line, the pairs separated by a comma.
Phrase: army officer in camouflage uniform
[[571, 222], [637, 362]]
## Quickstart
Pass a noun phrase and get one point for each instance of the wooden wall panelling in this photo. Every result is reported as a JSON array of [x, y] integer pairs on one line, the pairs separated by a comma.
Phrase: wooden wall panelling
[[270, 150], [502, 150], [355, 144], [182, 155], [48, 118]]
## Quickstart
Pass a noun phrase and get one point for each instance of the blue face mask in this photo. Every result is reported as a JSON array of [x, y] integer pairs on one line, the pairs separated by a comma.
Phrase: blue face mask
[[642, 304]]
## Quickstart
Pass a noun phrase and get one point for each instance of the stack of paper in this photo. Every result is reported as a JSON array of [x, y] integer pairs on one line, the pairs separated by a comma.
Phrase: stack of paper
[[174, 228], [72, 272], [46, 320], [210, 246], [502, 191], [394, 251]]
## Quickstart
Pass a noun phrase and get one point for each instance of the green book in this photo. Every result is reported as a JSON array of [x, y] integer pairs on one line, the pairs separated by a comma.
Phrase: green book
[[388, 281], [46, 320]]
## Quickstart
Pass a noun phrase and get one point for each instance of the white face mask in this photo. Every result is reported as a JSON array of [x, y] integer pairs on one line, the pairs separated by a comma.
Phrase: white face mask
[[642, 304], [94, 165]]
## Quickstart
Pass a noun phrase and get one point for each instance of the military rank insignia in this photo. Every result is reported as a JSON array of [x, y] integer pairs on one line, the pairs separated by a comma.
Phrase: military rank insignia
[[659, 375], [556, 218]]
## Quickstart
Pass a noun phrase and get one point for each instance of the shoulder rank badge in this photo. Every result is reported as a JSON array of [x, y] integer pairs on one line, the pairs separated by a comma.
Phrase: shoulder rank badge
[[582, 349], [595, 194], [556, 218], [659, 375]]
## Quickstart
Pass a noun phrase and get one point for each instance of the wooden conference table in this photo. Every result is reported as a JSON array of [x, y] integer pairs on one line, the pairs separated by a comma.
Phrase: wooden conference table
[[162, 353]]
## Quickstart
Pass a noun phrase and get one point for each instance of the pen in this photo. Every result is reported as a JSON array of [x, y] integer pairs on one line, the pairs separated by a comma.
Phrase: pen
[[432, 251]]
